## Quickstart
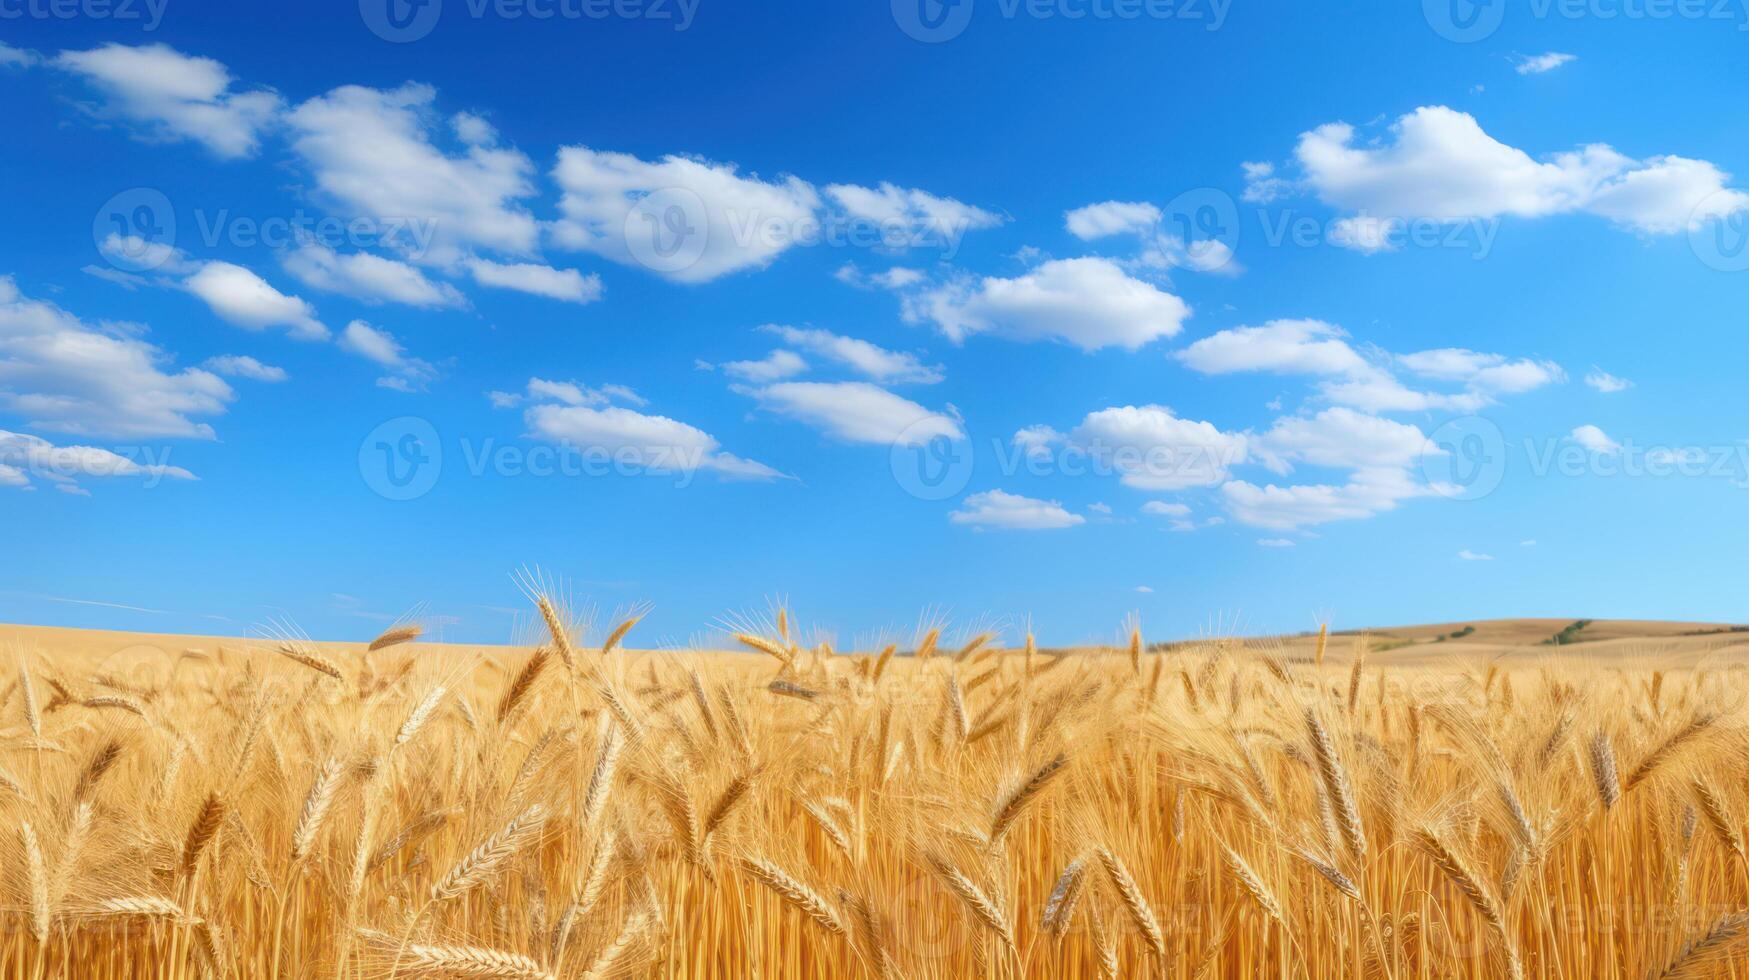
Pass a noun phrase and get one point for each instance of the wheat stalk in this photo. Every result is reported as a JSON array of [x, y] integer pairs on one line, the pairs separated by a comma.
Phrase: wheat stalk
[[1131, 895], [1330, 873], [1472, 888], [1336, 787], [1667, 748], [27, 694], [1706, 953], [310, 658], [1065, 896], [140, 906], [1251, 884], [618, 634], [200, 833], [1603, 772], [101, 762], [38, 875], [613, 953], [470, 962], [421, 713], [395, 636], [1015, 802], [792, 890], [316, 805], [484, 860], [727, 800], [774, 650], [1718, 816], [601, 777], [115, 702], [517, 692], [549, 614], [974, 898]]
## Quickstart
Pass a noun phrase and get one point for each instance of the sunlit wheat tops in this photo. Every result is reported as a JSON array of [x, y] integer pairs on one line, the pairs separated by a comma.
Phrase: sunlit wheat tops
[[960, 804]]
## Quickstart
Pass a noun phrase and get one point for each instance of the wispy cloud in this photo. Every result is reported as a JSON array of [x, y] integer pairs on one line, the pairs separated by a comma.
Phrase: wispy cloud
[[1540, 63], [99, 604]]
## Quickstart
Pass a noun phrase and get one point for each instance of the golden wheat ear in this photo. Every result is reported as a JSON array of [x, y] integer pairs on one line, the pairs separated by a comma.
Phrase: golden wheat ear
[[395, 636]]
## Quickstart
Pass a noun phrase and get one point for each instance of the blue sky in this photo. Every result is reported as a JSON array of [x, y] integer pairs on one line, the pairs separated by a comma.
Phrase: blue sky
[[1227, 314]]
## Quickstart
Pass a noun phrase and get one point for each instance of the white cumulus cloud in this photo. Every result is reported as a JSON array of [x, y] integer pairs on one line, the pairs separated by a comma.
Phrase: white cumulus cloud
[[1539, 63], [1594, 440], [910, 215], [1367, 492], [1150, 448], [1439, 164], [11, 57], [1090, 303], [1343, 438], [652, 443], [176, 96], [1313, 347], [63, 375], [776, 366], [241, 297], [1112, 218], [1279, 347], [733, 222], [373, 151], [856, 411], [876, 363], [23, 456], [243, 366], [368, 277], [1161, 508], [566, 285], [405, 373], [1012, 512], [1607, 383]]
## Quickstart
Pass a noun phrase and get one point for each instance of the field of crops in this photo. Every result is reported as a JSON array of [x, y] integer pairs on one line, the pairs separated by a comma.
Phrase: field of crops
[[955, 809]]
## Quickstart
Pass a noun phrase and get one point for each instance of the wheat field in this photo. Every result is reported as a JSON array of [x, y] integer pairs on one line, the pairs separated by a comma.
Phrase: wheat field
[[1226, 808]]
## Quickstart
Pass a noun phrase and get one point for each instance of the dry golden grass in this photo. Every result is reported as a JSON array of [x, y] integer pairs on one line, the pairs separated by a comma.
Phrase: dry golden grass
[[1221, 809]]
